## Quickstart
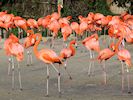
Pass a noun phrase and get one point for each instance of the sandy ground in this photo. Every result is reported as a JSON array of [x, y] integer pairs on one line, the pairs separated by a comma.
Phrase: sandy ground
[[81, 87]]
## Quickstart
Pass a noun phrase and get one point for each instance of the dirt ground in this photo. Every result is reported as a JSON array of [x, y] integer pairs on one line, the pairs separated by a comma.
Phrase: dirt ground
[[81, 87]]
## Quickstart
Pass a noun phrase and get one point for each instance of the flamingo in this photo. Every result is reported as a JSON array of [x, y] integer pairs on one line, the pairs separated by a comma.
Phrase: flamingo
[[79, 28], [104, 55], [15, 49], [54, 26], [123, 56], [6, 21], [49, 57], [12, 38], [67, 53], [66, 32], [20, 23], [32, 23], [28, 42], [92, 44]]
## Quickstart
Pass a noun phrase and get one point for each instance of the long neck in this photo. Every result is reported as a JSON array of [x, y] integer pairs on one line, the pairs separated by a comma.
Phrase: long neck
[[117, 44], [72, 48], [59, 10], [37, 43]]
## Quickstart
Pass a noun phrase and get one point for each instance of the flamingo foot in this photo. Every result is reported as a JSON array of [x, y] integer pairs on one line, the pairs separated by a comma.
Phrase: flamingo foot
[[60, 94], [13, 89], [70, 78], [21, 89], [90, 74], [28, 65], [46, 95], [129, 92]]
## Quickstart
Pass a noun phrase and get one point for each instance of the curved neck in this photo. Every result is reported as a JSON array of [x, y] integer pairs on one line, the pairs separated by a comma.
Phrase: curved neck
[[117, 44], [59, 10], [37, 43], [72, 48]]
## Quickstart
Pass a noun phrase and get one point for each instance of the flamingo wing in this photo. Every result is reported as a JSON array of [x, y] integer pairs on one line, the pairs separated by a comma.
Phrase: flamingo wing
[[48, 56], [66, 53]]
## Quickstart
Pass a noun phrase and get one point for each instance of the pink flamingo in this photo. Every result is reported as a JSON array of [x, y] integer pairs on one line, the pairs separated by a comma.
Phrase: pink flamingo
[[49, 57], [16, 50], [29, 42], [67, 53], [92, 44]]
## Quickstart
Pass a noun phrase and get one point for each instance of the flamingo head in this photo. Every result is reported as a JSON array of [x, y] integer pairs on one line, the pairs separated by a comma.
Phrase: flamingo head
[[74, 43], [29, 32], [112, 46]]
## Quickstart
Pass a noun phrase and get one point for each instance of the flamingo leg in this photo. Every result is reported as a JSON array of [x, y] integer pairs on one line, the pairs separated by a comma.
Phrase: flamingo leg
[[28, 58], [104, 73], [64, 44], [13, 76], [19, 77], [47, 81], [122, 78], [52, 42], [59, 76], [18, 32], [67, 70], [128, 79], [21, 32], [104, 40], [123, 43], [109, 40], [10, 64], [113, 40], [90, 65], [93, 56], [31, 61]]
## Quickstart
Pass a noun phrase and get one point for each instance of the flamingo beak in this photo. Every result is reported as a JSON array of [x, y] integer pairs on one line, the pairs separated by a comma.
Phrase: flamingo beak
[[33, 41], [28, 34], [76, 45]]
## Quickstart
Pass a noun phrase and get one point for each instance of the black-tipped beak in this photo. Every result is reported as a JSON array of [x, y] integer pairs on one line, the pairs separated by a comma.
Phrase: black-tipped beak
[[76, 45]]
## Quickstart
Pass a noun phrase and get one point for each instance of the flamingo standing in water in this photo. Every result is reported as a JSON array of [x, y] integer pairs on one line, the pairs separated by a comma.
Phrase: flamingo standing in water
[[49, 57], [15, 49], [29, 42]]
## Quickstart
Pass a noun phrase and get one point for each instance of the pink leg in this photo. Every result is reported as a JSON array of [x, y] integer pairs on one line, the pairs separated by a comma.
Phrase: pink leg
[[89, 69], [122, 78], [19, 77], [47, 94], [59, 77], [10, 64], [104, 73], [128, 79], [66, 70]]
